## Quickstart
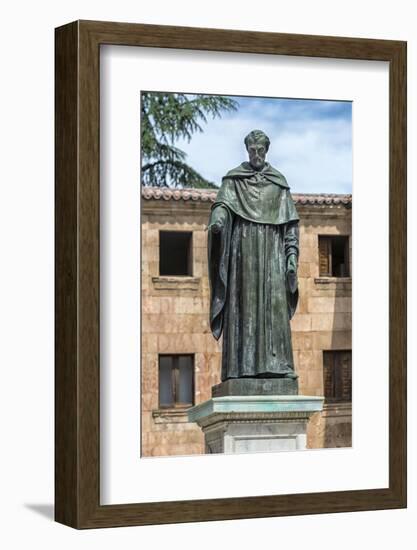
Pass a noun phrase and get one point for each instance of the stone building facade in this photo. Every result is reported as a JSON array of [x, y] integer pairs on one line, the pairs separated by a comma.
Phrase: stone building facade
[[180, 359]]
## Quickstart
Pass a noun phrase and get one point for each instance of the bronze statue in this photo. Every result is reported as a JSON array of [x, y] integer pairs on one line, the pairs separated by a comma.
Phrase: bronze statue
[[253, 257]]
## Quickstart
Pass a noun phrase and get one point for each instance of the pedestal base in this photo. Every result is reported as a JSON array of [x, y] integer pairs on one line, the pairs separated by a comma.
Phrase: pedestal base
[[251, 424], [256, 386]]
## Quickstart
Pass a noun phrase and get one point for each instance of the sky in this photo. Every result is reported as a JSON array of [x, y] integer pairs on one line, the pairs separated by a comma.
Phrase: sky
[[311, 142]]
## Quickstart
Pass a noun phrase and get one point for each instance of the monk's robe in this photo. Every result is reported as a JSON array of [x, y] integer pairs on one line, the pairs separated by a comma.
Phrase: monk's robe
[[253, 296]]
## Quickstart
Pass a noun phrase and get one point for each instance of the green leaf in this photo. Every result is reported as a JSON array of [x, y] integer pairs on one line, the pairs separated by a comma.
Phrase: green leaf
[[165, 119]]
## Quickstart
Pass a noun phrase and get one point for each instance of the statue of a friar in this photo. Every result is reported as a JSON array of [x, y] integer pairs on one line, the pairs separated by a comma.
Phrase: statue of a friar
[[253, 257]]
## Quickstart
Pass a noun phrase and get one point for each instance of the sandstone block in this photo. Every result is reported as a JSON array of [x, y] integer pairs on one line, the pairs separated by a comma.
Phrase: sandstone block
[[200, 239], [190, 304], [327, 340], [150, 304], [149, 401], [150, 238], [309, 254], [318, 304], [149, 343], [308, 240], [331, 304], [166, 303], [302, 340], [301, 322], [304, 269]]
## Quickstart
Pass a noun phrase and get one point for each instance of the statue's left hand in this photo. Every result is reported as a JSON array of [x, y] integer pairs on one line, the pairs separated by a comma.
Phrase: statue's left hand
[[292, 273], [215, 227], [292, 263]]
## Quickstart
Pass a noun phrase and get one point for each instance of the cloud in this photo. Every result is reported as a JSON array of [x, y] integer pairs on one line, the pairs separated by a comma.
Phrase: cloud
[[311, 142]]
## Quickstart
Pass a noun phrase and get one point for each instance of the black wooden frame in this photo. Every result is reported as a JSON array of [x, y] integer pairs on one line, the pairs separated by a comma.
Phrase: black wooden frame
[[77, 409]]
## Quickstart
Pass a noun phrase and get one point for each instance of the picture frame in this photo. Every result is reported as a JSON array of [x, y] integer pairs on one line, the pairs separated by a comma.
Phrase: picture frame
[[77, 269]]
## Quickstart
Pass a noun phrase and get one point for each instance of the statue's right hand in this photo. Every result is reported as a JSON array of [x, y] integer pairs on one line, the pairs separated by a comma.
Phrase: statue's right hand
[[215, 228]]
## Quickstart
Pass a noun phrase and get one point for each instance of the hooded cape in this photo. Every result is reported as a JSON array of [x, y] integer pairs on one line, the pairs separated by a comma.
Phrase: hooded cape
[[258, 196]]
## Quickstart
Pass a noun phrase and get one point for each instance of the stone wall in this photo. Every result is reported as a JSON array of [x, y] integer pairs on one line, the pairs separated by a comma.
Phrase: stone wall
[[175, 320]]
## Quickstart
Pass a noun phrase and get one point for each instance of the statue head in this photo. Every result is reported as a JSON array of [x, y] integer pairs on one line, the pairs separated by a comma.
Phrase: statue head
[[257, 145]]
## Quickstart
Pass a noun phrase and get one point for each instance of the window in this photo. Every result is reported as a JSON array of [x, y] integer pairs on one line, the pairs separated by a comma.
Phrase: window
[[176, 380], [175, 253], [334, 256], [337, 374]]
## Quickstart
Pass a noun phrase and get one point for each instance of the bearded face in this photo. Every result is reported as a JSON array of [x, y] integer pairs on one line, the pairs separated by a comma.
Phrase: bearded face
[[257, 154]]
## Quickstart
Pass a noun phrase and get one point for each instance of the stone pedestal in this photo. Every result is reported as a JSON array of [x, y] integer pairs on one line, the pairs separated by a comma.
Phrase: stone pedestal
[[255, 423], [256, 386]]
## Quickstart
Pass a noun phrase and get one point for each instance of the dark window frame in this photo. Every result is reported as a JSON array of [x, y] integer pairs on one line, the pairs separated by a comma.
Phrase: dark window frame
[[326, 253], [190, 260], [175, 374], [340, 393]]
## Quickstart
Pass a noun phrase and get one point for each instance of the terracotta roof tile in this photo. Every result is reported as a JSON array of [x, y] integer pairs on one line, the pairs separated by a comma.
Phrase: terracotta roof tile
[[209, 195]]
